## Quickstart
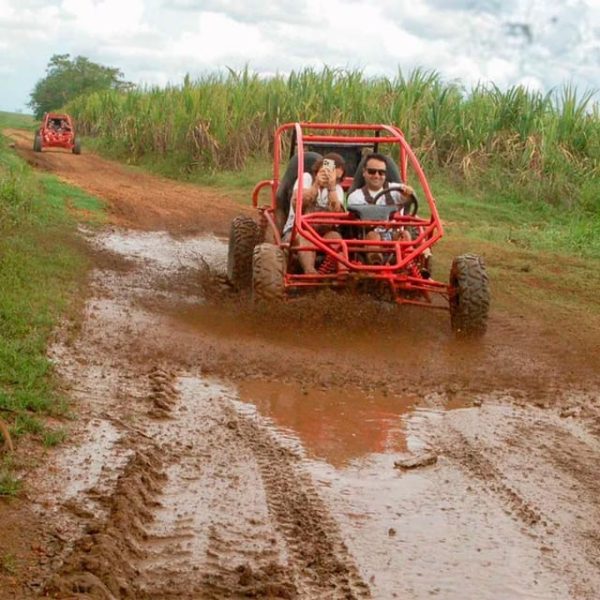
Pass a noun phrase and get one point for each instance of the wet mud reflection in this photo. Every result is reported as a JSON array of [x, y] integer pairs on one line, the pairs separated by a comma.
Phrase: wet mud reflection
[[333, 424]]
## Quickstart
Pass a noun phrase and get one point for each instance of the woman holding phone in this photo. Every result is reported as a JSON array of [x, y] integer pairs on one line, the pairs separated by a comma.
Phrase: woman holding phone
[[321, 191]]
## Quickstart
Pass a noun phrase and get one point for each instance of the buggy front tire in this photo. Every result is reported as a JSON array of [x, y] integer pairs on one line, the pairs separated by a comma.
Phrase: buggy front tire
[[268, 273], [37, 143], [469, 296], [76, 146], [243, 236]]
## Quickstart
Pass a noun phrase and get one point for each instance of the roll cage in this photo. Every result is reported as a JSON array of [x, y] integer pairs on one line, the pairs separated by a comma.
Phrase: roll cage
[[402, 270], [56, 131]]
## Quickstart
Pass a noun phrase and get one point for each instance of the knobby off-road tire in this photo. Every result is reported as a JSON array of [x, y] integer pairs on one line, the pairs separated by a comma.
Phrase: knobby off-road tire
[[37, 143], [243, 236], [268, 272], [469, 296], [76, 146]]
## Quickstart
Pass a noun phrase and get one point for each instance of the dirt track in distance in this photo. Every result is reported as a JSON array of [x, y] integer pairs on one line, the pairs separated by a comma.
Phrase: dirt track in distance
[[223, 451]]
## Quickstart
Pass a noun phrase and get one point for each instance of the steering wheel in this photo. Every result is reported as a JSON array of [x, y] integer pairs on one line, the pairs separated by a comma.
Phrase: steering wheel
[[411, 205]]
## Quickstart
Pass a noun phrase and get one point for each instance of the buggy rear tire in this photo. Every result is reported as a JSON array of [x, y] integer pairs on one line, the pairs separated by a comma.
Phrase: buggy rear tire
[[268, 273], [469, 296], [76, 146], [37, 143], [243, 236]]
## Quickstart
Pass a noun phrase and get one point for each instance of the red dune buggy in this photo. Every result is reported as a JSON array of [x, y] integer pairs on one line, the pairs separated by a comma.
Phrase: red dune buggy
[[57, 131], [261, 260]]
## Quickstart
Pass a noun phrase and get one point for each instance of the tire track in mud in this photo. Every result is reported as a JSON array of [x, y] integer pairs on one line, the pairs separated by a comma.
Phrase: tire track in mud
[[259, 531], [321, 562], [210, 504], [257, 525], [575, 456], [101, 563], [211, 537], [163, 393], [270, 579], [540, 458], [471, 457]]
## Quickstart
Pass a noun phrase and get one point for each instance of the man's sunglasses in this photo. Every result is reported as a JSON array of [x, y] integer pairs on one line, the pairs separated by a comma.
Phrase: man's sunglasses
[[376, 171]]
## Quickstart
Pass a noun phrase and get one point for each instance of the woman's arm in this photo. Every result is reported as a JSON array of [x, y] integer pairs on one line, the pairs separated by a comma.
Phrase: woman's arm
[[336, 199], [309, 195]]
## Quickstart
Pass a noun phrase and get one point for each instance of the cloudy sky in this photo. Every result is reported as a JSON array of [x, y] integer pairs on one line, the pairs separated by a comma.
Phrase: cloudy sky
[[540, 43]]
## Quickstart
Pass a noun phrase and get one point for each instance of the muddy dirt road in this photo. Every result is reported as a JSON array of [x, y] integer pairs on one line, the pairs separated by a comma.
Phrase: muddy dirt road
[[222, 451]]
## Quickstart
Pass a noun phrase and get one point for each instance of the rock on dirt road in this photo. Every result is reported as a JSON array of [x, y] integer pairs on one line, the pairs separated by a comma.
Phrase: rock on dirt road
[[222, 451]]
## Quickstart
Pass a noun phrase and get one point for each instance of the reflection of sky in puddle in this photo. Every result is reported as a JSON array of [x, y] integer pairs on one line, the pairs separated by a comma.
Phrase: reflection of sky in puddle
[[86, 462], [163, 249], [336, 425]]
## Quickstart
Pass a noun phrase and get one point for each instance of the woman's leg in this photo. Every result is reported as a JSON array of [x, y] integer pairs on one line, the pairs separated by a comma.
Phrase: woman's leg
[[375, 257], [306, 258]]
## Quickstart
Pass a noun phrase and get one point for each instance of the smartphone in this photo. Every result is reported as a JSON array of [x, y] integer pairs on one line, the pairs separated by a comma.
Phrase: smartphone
[[329, 164]]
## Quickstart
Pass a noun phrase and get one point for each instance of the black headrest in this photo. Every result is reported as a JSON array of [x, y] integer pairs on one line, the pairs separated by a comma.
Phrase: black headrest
[[392, 176], [286, 184]]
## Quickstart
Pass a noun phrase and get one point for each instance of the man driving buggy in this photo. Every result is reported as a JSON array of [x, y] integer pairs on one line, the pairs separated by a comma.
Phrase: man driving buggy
[[375, 173]]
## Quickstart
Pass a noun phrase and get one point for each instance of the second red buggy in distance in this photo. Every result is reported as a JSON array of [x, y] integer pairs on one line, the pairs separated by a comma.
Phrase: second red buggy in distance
[[57, 131]]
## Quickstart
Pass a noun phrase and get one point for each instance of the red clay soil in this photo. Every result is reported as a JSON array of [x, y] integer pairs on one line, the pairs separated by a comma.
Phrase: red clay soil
[[136, 200]]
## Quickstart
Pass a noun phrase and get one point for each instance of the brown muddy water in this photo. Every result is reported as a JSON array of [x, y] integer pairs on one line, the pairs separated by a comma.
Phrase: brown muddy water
[[223, 451]]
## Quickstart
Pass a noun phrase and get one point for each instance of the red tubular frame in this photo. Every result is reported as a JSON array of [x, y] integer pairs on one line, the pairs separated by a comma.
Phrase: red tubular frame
[[56, 139], [401, 276]]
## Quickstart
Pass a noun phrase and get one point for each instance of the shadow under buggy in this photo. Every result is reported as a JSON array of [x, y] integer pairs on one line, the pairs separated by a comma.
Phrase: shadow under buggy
[[261, 261]]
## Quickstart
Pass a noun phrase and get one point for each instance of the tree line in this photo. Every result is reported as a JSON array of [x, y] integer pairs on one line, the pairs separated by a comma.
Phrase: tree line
[[67, 78]]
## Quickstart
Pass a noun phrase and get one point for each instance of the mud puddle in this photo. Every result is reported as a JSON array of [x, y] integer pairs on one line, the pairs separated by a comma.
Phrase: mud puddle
[[210, 464], [476, 524], [333, 424]]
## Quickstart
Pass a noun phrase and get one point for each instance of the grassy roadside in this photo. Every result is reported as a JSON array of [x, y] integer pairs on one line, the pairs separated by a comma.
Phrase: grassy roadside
[[16, 120], [544, 263], [43, 266]]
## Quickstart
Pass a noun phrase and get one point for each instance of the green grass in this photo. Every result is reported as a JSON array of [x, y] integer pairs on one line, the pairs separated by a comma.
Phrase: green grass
[[8, 563], [43, 265], [39, 276], [237, 185], [53, 437], [9, 484], [538, 257], [483, 215], [16, 121], [59, 195]]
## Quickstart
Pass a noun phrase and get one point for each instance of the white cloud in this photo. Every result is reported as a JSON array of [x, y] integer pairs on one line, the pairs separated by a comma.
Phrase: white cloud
[[217, 37], [252, 11], [543, 43], [104, 18]]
